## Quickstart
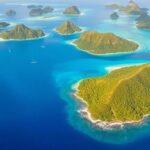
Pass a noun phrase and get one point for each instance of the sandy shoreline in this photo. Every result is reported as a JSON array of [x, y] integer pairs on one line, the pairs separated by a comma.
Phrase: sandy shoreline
[[106, 54], [98, 123], [30, 39]]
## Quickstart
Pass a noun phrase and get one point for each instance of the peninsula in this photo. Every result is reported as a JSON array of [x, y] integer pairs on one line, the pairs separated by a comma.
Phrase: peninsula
[[68, 28], [103, 43], [73, 10], [21, 32], [121, 96]]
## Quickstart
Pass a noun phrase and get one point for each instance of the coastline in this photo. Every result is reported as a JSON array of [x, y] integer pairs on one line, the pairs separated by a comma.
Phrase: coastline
[[85, 114], [19, 40], [83, 29]]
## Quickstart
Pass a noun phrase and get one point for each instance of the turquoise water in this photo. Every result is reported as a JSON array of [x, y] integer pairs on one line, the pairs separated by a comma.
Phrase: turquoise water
[[37, 109]]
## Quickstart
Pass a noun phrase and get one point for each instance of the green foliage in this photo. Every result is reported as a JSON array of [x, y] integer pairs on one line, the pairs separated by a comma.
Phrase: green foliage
[[102, 43], [68, 28], [122, 95], [22, 32]]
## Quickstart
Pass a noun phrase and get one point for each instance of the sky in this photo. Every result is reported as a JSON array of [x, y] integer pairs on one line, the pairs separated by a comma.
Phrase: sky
[[77, 2]]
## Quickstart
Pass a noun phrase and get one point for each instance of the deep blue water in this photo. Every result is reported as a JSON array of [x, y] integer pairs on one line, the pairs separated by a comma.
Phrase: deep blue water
[[37, 110]]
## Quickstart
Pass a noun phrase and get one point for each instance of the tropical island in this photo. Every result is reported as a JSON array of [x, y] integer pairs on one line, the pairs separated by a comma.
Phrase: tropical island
[[73, 10], [34, 6], [103, 43], [114, 6], [4, 24], [40, 11], [131, 9], [143, 21], [68, 28], [122, 96], [11, 13], [22, 32], [114, 16]]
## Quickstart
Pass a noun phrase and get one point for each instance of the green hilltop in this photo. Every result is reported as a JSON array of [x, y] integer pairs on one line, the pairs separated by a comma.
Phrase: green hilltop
[[103, 43], [22, 32], [123, 95], [67, 28]]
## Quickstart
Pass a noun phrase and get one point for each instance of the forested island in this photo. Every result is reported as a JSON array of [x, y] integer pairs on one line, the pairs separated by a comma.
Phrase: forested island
[[103, 43], [67, 28], [121, 96], [22, 32]]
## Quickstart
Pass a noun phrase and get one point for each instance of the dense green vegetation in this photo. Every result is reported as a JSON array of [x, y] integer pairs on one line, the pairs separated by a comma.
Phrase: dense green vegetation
[[122, 95], [102, 43], [22, 32], [68, 28]]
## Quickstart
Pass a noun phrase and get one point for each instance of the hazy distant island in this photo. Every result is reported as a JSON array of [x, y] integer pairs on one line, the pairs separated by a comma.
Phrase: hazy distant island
[[11, 13], [34, 6], [22, 32], [103, 43], [73, 10], [40, 11], [122, 96], [114, 16], [132, 8], [143, 21], [68, 28], [114, 6], [4, 24]]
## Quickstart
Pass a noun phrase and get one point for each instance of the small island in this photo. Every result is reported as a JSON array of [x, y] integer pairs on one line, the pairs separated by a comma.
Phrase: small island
[[143, 21], [114, 16], [22, 32], [4, 24], [40, 11], [11, 13], [122, 96], [131, 9], [114, 6], [34, 6], [103, 43], [73, 10], [68, 28]]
